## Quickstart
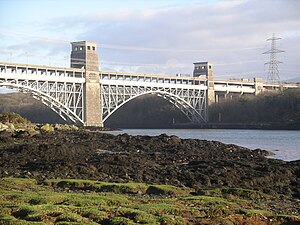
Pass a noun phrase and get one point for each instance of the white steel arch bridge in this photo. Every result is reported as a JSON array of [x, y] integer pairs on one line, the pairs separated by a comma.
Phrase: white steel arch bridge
[[187, 94], [64, 90]]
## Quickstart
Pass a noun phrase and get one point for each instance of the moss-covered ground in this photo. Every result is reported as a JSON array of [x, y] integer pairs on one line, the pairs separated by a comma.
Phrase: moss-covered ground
[[26, 201]]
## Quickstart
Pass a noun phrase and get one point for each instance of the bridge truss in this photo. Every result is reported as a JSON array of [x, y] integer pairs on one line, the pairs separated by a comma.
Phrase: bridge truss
[[63, 90], [60, 89], [188, 95]]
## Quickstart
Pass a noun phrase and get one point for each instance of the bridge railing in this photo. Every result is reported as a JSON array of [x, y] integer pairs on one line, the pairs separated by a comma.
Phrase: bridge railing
[[41, 70], [147, 78]]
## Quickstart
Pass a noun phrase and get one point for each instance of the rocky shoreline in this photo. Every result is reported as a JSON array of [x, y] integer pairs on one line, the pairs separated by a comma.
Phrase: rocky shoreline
[[82, 154]]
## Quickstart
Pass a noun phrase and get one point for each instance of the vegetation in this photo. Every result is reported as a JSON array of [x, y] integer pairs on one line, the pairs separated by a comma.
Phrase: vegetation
[[13, 118], [270, 107], [28, 107], [25, 201], [148, 110], [153, 111]]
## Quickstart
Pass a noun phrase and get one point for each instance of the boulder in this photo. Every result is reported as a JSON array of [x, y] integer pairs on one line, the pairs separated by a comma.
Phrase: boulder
[[65, 127], [3, 127], [47, 128]]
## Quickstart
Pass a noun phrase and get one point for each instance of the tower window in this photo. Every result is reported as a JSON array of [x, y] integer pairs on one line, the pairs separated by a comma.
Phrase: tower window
[[94, 48], [209, 67], [76, 49], [80, 48], [89, 47]]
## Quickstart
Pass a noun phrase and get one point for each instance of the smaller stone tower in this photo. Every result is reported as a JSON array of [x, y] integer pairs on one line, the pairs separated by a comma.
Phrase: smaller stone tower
[[84, 55], [203, 69], [206, 69]]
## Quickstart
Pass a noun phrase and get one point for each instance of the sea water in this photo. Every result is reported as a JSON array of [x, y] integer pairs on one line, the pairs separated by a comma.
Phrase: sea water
[[285, 144]]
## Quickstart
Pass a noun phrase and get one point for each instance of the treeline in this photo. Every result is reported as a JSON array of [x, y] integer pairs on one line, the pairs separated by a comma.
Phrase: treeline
[[142, 112], [268, 107], [150, 111]]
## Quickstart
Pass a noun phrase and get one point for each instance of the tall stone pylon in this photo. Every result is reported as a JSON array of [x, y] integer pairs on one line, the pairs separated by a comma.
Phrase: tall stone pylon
[[84, 55], [205, 69]]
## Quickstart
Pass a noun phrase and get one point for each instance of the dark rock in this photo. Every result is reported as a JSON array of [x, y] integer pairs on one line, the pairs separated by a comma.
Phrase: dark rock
[[158, 160]]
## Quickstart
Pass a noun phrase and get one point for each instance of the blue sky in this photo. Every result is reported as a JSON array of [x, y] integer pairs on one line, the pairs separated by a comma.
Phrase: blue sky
[[164, 36]]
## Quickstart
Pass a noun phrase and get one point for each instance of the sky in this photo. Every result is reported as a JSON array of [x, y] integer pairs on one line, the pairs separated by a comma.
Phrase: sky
[[152, 36]]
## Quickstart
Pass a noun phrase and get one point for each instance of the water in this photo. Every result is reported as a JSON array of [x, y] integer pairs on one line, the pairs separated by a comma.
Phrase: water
[[285, 144]]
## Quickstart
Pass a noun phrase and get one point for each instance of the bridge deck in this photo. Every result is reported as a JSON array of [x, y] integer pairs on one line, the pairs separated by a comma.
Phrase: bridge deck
[[63, 74]]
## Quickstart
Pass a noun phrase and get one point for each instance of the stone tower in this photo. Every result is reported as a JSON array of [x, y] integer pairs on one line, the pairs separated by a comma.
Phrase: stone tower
[[206, 69], [84, 55]]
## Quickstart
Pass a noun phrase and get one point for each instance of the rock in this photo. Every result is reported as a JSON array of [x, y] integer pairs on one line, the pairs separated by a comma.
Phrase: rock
[[3, 127], [263, 152], [175, 139], [160, 159], [21, 134], [65, 127], [47, 128]]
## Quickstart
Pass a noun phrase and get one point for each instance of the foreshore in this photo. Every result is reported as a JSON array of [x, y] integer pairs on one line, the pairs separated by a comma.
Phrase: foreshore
[[205, 182], [162, 159]]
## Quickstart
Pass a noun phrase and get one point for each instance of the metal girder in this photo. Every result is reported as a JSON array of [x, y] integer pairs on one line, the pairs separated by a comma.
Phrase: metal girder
[[191, 102], [59, 88], [63, 90], [66, 99]]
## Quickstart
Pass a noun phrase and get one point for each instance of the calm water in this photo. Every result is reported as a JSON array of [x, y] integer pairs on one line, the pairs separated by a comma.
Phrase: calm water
[[284, 143]]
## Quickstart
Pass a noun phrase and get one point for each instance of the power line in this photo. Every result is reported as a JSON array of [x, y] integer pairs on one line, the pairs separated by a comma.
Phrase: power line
[[107, 62], [240, 73], [273, 74], [132, 48]]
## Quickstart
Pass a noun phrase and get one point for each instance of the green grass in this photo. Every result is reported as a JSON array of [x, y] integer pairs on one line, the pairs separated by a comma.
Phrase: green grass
[[234, 193], [166, 190], [24, 201], [118, 188]]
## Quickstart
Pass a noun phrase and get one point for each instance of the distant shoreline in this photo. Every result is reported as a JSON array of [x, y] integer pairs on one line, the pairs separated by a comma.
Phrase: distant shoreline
[[250, 126], [259, 126]]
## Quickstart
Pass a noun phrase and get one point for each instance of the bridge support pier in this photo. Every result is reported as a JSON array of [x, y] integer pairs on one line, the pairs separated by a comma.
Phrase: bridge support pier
[[206, 69], [259, 85], [211, 97], [84, 55], [92, 100]]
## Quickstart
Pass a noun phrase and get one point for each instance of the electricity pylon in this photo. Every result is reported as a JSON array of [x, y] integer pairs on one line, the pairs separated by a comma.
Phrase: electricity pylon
[[273, 74]]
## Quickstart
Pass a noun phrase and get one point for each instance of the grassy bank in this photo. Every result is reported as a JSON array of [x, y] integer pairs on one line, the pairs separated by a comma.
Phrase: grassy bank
[[25, 201]]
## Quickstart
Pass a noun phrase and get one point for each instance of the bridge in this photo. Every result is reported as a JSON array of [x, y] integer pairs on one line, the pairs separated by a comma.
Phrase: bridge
[[87, 96]]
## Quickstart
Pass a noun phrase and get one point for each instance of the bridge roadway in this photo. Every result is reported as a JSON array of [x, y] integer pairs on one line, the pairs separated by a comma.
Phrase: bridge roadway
[[64, 89]]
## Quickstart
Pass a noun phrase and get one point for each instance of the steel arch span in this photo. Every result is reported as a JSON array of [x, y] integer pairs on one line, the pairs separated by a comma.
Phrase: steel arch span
[[88, 98], [57, 100], [191, 102], [61, 89]]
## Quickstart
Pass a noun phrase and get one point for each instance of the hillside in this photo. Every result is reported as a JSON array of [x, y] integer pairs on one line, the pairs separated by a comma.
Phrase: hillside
[[150, 111], [145, 111], [28, 107], [281, 108]]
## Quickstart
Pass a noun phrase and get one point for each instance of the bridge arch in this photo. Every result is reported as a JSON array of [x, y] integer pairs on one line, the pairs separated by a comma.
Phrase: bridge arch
[[184, 106], [54, 104]]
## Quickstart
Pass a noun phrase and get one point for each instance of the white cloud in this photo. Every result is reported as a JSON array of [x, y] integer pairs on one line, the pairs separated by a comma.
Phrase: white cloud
[[232, 34]]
